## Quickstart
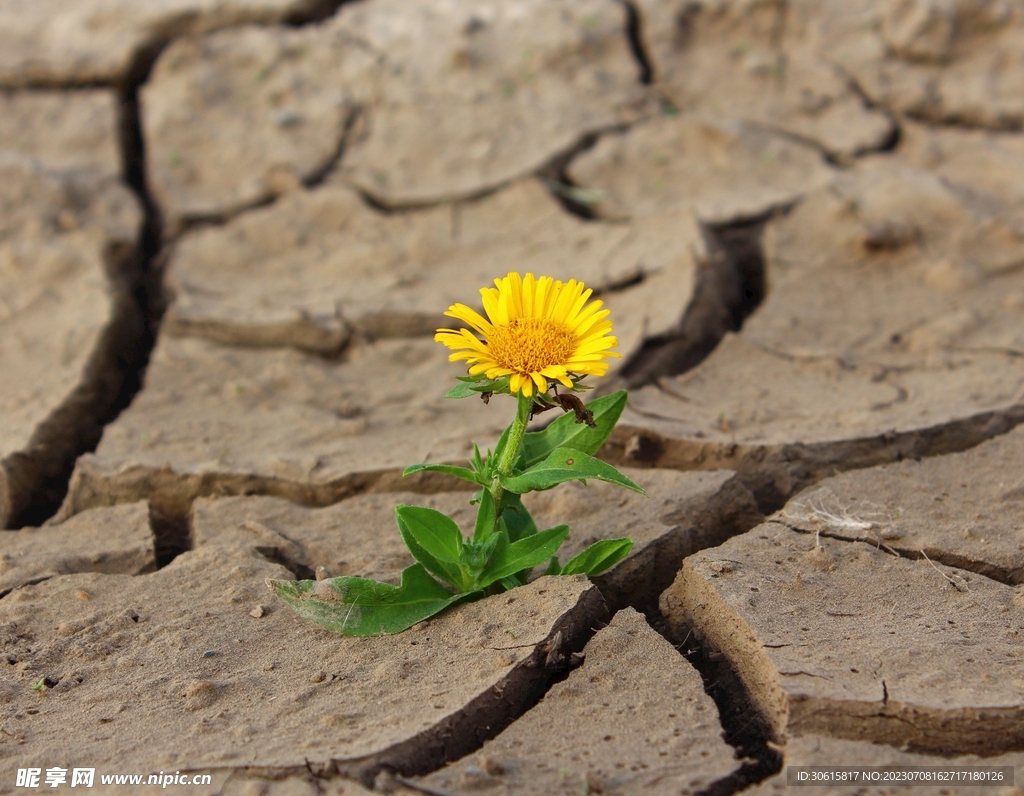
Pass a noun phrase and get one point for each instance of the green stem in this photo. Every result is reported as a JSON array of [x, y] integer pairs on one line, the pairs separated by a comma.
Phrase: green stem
[[513, 445]]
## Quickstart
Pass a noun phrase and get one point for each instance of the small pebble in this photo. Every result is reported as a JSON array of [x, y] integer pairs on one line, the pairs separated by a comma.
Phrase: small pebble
[[209, 653], [490, 765], [257, 612], [322, 573], [473, 777], [82, 594]]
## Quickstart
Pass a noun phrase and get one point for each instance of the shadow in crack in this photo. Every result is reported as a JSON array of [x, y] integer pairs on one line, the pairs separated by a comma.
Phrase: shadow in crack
[[172, 536], [744, 728], [730, 287], [115, 370], [38, 478], [637, 46]]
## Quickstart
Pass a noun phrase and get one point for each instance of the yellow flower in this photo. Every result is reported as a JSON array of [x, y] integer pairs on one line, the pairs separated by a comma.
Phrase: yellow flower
[[538, 329]]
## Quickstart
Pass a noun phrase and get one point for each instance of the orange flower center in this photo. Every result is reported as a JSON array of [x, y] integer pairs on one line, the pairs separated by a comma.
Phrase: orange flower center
[[528, 345]]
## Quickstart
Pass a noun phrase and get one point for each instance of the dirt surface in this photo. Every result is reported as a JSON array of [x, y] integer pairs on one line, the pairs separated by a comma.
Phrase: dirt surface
[[67, 325], [228, 231], [831, 636], [115, 540], [269, 277], [633, 718], [201, 672]]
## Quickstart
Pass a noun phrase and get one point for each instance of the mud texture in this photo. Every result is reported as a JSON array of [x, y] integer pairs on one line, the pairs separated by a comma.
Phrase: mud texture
[[228, 231]]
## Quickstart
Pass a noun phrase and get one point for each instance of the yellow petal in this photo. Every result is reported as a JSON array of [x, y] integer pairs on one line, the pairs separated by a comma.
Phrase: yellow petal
[[490, 302], [566, 296], [529, 293], [597, 346], [513, 286], [591, 316], [470, 316], [505, 308], [582, 299], [600, 329], [541, 303]]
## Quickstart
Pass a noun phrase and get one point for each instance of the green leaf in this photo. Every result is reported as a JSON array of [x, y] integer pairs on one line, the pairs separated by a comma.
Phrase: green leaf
[[363, 607], [524, 554], [566, 464], [495, 545], [435, 541], [516, 518], [565, 432], [486, 517], [553, 567], [598, 557], [459, 472], [474, 385], [461, 390], [517, 522]]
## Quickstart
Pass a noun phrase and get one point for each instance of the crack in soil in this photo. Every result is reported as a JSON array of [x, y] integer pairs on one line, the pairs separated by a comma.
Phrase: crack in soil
[[38, 477], [776, 472], [637, 43], [1004, 575], [574, 199], [490, 713], [925, 115], [1009, 124], [355, 112], [172, 536], [729, 288], [743, 726]]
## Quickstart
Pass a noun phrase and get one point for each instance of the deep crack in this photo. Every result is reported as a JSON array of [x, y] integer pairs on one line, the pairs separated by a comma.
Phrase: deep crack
[[574, 199], [487, 715], [172, 536], [38, 477], [637, 44], [730, 286], [744, 728]]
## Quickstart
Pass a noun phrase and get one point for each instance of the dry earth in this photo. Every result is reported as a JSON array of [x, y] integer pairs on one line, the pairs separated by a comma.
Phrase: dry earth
[[227, 232]]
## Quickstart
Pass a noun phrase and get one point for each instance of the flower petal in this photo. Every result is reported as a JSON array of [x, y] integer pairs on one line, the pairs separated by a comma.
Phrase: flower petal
[[529, 293], [490, 295], [538, 330], [470, 316], [513, 288]]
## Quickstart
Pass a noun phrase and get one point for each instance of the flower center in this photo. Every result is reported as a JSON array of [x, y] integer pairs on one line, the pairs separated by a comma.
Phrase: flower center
[[528, 345]]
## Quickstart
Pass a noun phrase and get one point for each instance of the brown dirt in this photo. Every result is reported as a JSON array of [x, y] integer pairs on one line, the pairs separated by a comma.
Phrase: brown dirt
[[807, 219]]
